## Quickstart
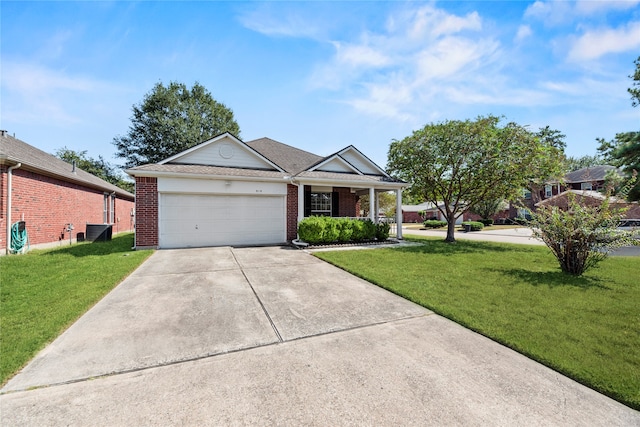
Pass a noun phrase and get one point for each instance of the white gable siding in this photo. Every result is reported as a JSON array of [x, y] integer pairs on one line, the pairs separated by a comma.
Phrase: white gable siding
[[225, 152], [360, 162], [336, 165]]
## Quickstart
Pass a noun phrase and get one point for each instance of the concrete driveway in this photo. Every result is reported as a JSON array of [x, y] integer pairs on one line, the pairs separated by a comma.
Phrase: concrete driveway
[[274, 336]]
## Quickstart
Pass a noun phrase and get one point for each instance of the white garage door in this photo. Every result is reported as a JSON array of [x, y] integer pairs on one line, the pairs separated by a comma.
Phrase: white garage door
[[214, 220]]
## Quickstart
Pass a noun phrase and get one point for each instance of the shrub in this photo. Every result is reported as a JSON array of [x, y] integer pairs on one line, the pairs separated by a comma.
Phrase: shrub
[[322, 229], [369, 230], [331, 231], [346, 229], [486, 222], [382, 231], [310, 229], [475, 225], [580, 236], [434, 223]]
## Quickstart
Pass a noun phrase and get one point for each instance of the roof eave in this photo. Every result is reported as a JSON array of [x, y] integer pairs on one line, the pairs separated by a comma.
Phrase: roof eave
[[167, 174]]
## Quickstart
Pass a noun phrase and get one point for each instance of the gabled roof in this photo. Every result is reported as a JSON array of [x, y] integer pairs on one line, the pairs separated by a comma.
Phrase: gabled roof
[[13, 151], [348, 166], [589, 174], [220, 151], [291, 159]]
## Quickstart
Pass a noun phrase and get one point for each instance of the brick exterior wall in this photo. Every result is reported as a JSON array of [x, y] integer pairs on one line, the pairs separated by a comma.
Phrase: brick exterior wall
[[347, 202], [412, 217], [48, 204], [146, 212], [292, 212]]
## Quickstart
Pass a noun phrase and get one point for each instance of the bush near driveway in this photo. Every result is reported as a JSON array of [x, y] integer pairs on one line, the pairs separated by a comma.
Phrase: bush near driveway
[[585, 327], [43, 292]]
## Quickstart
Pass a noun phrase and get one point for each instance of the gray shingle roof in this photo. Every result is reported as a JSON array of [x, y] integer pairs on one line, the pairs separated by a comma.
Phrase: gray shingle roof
[[289, 158], [13, 150], [588, 174]]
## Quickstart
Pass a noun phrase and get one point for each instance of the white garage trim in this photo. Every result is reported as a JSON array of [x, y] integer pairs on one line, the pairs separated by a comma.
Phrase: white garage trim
[[199, 220]]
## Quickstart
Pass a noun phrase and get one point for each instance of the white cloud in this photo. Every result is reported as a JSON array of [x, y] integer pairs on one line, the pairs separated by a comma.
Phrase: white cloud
[[591, 7], [289, 24], [524, 31], [386, 73], [558, 12], [360, 55], [594, 44], [37, 93]]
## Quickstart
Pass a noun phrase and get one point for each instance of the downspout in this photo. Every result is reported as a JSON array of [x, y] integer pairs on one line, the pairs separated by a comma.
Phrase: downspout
[[8, 216]]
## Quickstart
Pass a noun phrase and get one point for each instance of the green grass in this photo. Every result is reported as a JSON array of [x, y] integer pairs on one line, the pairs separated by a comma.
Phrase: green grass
[[43, 292], [587, 328]]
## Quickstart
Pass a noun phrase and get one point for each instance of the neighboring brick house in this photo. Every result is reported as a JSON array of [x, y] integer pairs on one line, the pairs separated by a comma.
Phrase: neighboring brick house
[[228, 192], [592, 178], [48, 194], [591, 198]]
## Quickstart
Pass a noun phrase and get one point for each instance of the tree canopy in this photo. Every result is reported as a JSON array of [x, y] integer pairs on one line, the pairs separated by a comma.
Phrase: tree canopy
[[171, 119], [98, 167], [624, 150], [458, 164]]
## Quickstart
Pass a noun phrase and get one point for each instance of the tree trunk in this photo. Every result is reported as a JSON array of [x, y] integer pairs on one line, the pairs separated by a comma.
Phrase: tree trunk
[[451, 226]]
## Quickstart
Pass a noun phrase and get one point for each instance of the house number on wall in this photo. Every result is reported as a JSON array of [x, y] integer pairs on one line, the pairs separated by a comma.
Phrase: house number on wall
[[258, 191]]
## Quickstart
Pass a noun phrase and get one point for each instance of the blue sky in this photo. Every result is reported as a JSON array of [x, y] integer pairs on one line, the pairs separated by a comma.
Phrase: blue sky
[[320, 75]]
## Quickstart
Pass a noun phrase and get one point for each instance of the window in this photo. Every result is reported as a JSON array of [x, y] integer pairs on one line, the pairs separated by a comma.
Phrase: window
[[526, 194], [321, 204], [108, 208], [548, 191], [586, 186]]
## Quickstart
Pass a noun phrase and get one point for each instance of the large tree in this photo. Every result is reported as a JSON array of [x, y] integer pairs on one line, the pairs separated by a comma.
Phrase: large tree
[[574, 163], [624, 150], [458, 164], [171, 119], [98, 167]]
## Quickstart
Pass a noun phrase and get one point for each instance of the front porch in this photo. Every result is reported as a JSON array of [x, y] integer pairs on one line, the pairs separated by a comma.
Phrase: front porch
[[341, 201]]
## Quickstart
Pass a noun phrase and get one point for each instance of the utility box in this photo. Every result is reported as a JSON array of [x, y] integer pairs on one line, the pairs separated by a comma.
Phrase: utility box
[[98, 232]]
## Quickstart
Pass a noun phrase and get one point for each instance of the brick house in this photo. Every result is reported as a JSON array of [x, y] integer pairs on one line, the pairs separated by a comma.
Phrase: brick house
[[591, 198], [228, 192], [48, 194], [592, 178]]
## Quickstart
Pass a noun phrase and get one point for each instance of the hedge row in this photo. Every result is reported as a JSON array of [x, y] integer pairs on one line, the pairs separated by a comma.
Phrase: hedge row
[[475, 225], [325, 229], [434, 223]]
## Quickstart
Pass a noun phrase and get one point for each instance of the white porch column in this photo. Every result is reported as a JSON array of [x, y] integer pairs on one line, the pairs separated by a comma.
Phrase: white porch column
[[372, 204], [300, 202], [399, 213]]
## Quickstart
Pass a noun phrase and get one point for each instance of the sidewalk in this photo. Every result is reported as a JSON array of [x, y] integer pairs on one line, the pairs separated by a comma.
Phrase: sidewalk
[[522, 235]]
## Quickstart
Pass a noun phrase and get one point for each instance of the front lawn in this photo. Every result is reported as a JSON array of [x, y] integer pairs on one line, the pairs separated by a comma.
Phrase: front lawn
[[43, 292], [587, 328]]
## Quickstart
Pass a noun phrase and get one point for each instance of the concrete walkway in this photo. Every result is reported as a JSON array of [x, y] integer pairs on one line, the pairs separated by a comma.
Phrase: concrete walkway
[[273, 336]]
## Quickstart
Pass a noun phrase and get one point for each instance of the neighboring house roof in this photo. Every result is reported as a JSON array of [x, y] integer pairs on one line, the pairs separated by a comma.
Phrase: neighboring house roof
[[269, 159], [13, 151], [589, 194], [417, 208], [589, 174]]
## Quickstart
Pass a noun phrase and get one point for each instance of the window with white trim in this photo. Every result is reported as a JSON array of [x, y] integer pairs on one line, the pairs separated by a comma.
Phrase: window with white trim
[[321, 204], [548, 191], [586, 186]]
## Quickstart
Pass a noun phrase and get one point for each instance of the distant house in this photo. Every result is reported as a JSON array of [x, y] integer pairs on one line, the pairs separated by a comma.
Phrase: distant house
[[48, 194], [411, 213], [592, 178], [591, 198]]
